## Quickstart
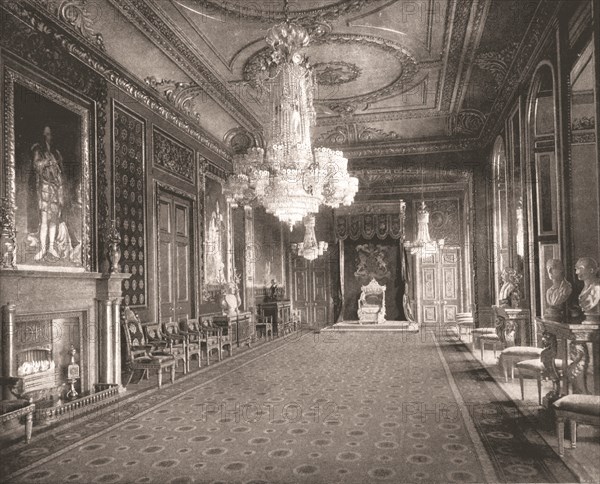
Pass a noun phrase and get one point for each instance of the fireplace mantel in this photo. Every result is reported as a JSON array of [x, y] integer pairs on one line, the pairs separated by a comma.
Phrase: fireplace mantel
[[94, 296]]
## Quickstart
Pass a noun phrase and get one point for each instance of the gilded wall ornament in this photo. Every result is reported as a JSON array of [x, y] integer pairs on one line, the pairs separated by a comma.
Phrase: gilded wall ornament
[[76, 14], [172, 156], [180, 94]]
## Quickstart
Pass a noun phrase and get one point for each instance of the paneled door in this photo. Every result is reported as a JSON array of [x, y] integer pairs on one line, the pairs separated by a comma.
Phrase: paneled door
[[175, 263], [439, 286], [311, 292]]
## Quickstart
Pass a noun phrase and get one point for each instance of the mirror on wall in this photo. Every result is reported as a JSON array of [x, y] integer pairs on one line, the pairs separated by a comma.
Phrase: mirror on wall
[[545, 214], [501, 213], [584, 162]]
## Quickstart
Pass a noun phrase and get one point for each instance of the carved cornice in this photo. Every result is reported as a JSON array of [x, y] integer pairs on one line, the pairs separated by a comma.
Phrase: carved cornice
[[410, 148], [352, 134], [180, 94], [378, 117], [75, 14], [142, 14], [103, 65], [525, 59]]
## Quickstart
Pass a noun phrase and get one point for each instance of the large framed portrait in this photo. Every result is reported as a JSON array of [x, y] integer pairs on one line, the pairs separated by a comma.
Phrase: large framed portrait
[[216, 244], [47, 166]]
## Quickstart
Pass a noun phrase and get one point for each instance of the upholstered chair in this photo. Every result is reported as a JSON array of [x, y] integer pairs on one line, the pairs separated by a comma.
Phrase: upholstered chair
[[578, 409]]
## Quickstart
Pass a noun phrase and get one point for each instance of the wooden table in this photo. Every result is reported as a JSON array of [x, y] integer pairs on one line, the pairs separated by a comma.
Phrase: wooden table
[[280, 312], [569, 342]]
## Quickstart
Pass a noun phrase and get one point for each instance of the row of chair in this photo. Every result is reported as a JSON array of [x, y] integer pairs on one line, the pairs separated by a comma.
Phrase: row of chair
[[162, 346]]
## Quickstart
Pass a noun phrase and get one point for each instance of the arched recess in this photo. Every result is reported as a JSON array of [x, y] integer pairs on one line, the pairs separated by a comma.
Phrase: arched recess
[[501, 244], [544, 201]]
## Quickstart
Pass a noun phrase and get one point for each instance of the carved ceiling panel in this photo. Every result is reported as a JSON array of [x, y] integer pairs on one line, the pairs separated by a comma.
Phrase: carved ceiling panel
[[381, 65]]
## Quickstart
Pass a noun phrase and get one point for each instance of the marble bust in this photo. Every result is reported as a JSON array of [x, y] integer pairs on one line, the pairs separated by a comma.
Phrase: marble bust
[[589, 298], [509, 295], [559, 292]]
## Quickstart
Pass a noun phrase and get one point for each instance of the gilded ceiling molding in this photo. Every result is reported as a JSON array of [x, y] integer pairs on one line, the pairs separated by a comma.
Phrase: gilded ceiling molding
[[76, 14], [256, 65], [352, 134], [249, 11], [410, 148], [471, 43], [525, 60], [455, 43], [104, 66], [497, 62], [141, 14], [335, 73], [181, 94], [466, 123]]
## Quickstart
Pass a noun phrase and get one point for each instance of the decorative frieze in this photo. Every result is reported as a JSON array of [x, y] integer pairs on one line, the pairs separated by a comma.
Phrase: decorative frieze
[[172, 156]]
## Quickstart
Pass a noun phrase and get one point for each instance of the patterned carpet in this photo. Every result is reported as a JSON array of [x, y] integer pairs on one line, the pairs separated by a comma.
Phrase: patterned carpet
[[328, 408]]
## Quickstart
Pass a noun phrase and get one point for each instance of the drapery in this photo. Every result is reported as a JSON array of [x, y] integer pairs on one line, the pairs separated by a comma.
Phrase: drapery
[[371, 238], [370, 220]]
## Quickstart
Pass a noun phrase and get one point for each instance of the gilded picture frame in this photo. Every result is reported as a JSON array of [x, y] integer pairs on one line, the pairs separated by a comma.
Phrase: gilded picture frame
[[48, 182]]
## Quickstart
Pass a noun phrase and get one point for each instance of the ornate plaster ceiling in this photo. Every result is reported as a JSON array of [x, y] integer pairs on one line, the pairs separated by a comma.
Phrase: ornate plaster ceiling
[[395, 76]]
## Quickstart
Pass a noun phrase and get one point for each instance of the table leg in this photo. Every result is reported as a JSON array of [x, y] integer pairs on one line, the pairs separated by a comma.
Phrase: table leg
[[565, 361]]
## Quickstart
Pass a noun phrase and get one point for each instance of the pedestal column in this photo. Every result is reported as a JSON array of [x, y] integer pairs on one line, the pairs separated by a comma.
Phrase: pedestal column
[[109, 331]]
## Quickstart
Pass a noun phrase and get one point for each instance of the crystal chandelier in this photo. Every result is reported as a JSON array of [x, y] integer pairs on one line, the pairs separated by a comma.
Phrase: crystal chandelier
[[288, 178], [310, 249]]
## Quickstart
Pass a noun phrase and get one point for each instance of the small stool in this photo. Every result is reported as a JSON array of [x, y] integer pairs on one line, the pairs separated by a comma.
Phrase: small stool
[[490, 339], [514, 354], [533, 368], [477, 333], [464, 321], [577, 408]]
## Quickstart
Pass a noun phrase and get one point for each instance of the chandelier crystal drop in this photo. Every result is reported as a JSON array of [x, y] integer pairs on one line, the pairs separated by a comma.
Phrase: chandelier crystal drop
[[423, 243], [310, 249], [288, 178]]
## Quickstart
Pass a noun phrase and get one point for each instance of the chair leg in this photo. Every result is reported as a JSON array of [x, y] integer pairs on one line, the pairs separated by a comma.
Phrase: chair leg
[[573, 433], [481, 345], [494, 349], [28, 427], [504, 367], [560, 430], [172, 374], [539, 385], [512, 371], [522, 386]]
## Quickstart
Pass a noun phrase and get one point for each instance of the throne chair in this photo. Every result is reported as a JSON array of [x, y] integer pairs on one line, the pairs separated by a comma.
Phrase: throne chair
[[371, 305]]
